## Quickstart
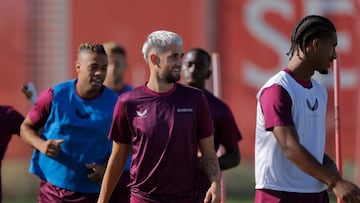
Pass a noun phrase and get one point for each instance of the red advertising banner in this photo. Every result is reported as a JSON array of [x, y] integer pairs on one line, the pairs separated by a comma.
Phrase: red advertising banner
[[251, 37]]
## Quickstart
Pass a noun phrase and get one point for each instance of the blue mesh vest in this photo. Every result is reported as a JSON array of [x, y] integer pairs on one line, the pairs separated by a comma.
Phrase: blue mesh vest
[[84, 125]]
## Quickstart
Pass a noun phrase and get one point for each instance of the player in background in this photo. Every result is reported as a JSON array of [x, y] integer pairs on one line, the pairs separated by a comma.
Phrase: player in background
[[117, 65], [10, 121], [195, 71]]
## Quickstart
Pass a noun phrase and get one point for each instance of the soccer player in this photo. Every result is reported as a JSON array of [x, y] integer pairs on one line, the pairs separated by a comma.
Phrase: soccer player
[[10, 121], [117, 64], [163, 122], [290, 164], [71, 152], [195, 71]]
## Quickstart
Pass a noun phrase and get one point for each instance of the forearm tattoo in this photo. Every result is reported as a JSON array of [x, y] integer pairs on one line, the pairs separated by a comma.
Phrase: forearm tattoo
[[211, 167]]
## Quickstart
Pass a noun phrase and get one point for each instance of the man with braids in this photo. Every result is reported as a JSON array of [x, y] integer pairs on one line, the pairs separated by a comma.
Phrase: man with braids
[[290, 164], [164, 122], [71, 150]]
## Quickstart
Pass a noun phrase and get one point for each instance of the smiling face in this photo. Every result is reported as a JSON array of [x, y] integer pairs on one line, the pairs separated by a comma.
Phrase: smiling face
[[169, 63], [91, 68]]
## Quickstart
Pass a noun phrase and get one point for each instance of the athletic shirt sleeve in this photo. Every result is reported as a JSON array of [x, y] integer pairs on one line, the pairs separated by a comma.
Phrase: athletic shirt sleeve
[[41, 109], [14, 120], [205, 123], [276, 105], [120, 130], [227, 129]]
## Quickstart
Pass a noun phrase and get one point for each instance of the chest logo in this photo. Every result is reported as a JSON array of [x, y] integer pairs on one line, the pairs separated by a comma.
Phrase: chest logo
[[313, 107], [141, 113]]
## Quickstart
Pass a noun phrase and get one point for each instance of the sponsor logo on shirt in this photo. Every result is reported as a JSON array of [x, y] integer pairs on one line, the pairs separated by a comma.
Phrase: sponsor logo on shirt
[[313, 107], [184, 110], [141, 114]]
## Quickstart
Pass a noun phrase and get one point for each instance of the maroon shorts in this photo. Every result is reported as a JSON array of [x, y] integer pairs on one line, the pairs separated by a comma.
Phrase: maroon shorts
[[137, 199], [51, 193], [273, 196]]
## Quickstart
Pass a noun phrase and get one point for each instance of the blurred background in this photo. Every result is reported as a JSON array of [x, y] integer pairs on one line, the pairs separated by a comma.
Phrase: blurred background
[[39, 40]]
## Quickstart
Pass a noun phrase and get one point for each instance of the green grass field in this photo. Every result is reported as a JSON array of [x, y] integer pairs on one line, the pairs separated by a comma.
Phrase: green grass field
[[21, 187]]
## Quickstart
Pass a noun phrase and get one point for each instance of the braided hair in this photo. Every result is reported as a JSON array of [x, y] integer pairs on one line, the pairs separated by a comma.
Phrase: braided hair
[[308, 28]]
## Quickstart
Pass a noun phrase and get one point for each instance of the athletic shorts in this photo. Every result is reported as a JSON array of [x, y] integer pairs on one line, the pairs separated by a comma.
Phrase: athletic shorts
[[51, 193], [137, 199], [273, 196]]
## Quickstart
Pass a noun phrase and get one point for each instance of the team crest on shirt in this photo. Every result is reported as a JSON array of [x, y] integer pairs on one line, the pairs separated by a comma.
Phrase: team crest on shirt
[[313, 107], [142, 114]]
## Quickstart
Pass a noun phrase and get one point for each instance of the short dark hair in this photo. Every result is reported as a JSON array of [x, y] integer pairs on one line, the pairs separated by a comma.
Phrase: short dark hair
[[97, 48], [114, 48], [308, 28], [201, 52]]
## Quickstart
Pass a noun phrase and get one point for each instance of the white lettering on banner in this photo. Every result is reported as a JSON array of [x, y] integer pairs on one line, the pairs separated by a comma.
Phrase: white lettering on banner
[[254, 11]]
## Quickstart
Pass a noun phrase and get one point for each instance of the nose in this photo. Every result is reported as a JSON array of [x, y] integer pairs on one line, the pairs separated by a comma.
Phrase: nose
[[179, 62], [334, 55], [191, 68]]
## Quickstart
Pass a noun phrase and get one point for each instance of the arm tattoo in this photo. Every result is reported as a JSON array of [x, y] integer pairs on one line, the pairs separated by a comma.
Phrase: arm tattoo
[[211, 168]]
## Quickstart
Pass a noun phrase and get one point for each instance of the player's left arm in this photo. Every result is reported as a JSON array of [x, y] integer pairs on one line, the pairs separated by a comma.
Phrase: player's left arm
[[230, 158], [330, 164], [228, 136], [210, 164]]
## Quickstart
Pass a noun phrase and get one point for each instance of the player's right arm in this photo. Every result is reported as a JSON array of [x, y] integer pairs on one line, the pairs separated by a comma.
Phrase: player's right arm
[[36, 118], [288, 140]]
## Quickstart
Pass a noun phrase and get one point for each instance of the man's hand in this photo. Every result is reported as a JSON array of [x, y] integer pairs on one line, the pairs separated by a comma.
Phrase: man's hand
[[97, 172], [51, 148], [213, 195], [346, 191]]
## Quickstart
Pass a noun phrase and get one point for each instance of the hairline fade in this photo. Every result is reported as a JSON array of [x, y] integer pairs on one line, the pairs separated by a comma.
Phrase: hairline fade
[[88, 47]]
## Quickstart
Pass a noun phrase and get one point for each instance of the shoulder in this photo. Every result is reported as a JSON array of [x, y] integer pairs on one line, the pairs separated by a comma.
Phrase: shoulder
[[4, 108], [215, 101], [279, 80], [132, 94], [64, 86], [188, 89], [109, 92], [7, 110], [275, 91]]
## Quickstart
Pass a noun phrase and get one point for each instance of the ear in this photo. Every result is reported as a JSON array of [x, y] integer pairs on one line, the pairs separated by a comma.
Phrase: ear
[[77, 66], [315, 43], [154, 59], [208, 74]]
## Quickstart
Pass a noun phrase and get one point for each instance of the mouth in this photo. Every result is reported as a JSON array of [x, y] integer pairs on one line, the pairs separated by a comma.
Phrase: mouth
[[96, 81], [176, 70]]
